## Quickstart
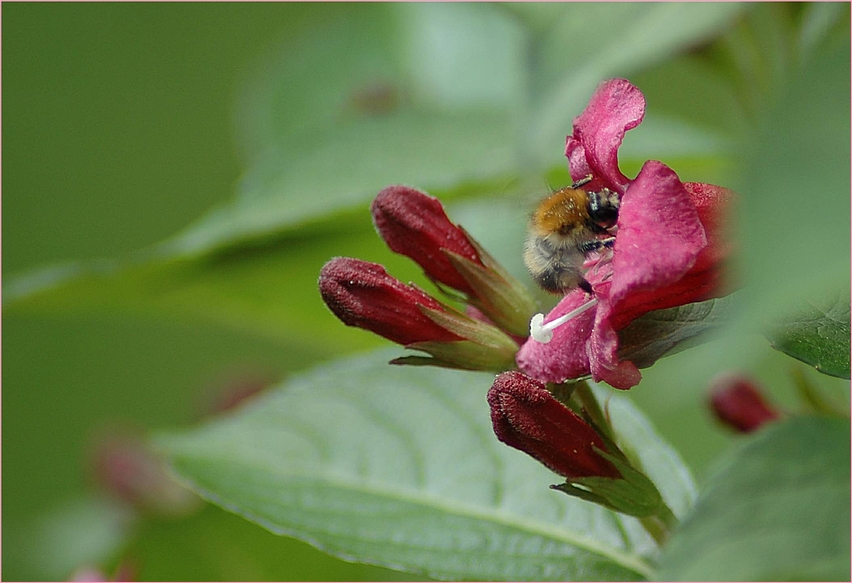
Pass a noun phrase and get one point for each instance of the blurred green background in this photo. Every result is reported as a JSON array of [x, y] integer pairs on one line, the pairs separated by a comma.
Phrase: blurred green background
[[124, 123]]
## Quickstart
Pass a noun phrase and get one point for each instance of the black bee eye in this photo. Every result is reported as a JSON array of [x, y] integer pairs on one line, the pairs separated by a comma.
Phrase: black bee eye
[[603, 208]]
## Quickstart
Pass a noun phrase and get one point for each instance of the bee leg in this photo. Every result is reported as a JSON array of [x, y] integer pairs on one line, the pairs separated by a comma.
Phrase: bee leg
[[596, 245], [585, 286], [584, 180]]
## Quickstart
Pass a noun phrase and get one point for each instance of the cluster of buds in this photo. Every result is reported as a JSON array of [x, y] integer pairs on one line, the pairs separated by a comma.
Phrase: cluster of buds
[[667, 252], [414, 224], [528, 417]]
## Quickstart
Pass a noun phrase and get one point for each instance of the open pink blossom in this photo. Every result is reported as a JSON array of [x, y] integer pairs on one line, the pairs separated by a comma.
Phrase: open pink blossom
[[667, 250]]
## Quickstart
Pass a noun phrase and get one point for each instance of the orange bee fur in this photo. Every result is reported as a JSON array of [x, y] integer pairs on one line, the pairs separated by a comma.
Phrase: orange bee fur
[[568, 225]]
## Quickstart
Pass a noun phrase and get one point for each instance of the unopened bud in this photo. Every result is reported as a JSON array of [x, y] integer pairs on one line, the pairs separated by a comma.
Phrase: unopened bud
[[738, 403], [526, 416], [362, 294], [415, 224]]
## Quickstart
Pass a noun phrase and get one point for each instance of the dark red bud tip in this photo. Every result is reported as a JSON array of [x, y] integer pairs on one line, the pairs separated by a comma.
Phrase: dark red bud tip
[[414, 224], [739, 404], [527, 417], [362, 294]]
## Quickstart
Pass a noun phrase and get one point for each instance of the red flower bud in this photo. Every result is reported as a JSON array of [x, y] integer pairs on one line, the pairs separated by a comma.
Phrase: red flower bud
[[414, 224], [362, 294], [527, 417], [739, 404]]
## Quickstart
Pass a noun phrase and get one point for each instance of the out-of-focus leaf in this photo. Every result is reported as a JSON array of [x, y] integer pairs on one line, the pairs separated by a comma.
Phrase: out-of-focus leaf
[[399, 467], [214, 545], [819, 334], [269, 290], [795, 189], [582, 50], [372, 95], [820, 21], [83, 532], [665, 332], [447, 107], [776, 510]]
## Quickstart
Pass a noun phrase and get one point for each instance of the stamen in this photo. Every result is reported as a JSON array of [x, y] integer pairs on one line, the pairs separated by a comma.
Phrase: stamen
[[543, 333]]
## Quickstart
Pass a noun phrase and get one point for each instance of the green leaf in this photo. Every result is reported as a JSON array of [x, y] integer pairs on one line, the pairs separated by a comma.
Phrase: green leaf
[[777, 509], [665, 332], [214, 545], [399, 467], [580, 51], [268, 290], [429, 98], [819, 334], [81, 532]]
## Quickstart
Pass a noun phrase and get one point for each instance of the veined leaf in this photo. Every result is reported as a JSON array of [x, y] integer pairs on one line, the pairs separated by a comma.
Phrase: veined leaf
[[776, 510], [664, 332], [399, 467], [819, 334]]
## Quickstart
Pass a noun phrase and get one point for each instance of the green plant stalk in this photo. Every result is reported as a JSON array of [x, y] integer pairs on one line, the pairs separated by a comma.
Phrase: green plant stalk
[[658, 525]]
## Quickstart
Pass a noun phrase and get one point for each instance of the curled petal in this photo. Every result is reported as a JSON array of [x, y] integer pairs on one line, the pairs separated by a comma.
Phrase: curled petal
[[616, 107]]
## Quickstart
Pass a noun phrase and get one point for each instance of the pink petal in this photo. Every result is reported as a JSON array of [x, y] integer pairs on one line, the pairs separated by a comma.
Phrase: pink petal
[[602, 348], [659, 233], [616, 107], [564, 357], [646, 257], [706, 278]]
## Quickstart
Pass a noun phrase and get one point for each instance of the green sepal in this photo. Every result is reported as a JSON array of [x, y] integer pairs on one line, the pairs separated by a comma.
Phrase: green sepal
[[473, 330], [501, 297], [462, 354], [632, 494]]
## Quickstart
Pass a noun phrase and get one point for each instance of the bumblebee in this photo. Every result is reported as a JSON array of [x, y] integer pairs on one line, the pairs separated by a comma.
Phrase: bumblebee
[[567, 226]]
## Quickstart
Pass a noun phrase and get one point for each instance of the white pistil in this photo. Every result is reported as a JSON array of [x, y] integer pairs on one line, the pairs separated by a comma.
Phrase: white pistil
[[543, 333]]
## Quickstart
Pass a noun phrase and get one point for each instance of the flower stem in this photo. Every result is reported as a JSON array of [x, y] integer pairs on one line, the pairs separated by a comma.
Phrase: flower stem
[[660, 525], [656, 528], [593, 409]]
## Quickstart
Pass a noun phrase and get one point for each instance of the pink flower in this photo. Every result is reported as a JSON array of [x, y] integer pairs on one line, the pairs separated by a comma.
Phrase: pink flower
[[667, 249]]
